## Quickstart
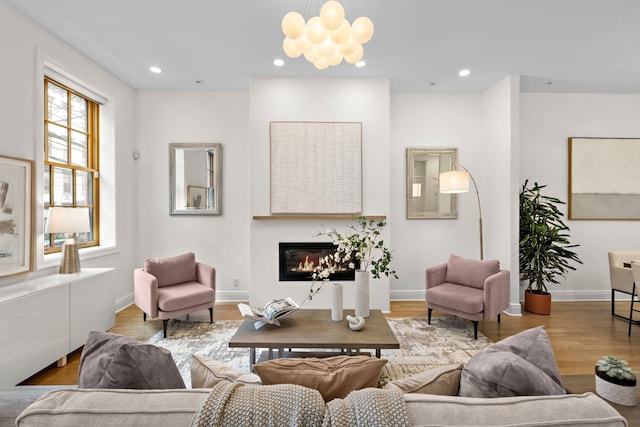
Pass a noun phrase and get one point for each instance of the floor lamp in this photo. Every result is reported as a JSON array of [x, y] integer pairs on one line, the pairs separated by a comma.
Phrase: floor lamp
[[69, 221], [455, 181]]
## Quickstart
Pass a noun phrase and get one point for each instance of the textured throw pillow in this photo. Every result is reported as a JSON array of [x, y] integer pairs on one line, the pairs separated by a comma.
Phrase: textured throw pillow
[[470, 272], [334, 377], [172, 270], [206, 372], [444, 381], [114, 361], [520, 365]]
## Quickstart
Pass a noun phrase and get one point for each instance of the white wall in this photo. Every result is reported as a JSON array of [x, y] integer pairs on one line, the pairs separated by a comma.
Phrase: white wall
[[432, 120], [25, 46], [333, 100], [221, 241], [546, 123], [500, 164]]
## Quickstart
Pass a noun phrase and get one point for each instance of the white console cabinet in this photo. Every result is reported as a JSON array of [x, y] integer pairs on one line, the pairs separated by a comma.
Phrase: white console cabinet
[[44, 319]]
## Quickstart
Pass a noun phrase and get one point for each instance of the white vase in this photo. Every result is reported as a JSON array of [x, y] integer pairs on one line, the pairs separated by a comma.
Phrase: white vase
[[362, 293], [336, 302]]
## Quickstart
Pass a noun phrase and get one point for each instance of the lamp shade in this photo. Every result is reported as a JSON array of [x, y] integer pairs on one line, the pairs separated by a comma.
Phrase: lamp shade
[[454, 182], [67, 220]]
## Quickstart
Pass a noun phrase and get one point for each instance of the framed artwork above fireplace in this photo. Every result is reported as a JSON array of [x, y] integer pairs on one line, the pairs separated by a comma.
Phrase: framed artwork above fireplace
[[297, 261]]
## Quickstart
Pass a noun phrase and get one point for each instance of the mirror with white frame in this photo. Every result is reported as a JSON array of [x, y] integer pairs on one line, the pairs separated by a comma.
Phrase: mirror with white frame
[[424, 200], [195, 171]]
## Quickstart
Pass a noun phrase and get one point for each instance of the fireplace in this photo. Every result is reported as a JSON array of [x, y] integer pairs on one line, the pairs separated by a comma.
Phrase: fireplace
[[297, 261]]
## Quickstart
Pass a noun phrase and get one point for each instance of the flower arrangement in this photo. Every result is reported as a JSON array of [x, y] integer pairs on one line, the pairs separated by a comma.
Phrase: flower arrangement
[[615, 370], [362, 247], [321, 272]]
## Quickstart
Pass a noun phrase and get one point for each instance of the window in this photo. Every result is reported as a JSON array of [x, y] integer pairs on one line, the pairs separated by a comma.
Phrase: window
[[71, 163]]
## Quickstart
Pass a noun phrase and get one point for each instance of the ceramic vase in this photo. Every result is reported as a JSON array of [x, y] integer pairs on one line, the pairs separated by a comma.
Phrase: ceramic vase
[[336, 302], [362, 293]]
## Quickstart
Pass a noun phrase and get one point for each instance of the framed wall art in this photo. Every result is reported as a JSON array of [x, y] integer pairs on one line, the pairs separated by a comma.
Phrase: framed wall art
[[16, 216], [316, 167], [604, 178]]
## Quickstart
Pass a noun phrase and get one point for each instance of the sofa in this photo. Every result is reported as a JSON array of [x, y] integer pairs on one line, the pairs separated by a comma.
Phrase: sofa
[[514, 382], [171, 408]]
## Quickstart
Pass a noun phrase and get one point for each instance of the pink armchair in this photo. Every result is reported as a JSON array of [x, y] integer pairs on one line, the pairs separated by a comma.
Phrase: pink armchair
[[471, 289], [169, 287]]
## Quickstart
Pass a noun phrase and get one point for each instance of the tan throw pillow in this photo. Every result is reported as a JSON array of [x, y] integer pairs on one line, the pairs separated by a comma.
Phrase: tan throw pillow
[[444, 381], [334, 377], [206, 372]]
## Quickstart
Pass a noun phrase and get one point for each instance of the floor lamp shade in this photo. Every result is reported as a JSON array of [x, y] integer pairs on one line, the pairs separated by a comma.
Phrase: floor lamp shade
[[69, 221], [454, 182]]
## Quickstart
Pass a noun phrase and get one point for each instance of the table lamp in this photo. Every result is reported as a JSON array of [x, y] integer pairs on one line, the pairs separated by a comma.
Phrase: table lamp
[[69, 221]]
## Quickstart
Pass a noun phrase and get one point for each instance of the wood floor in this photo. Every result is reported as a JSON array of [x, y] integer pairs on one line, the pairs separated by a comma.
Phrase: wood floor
[[580, 332]]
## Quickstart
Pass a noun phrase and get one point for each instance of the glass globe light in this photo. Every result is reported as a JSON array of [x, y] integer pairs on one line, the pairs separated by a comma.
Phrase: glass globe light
[[303, 44], [341, 34], [326, 48], [335, 59], [316, 32], [312, 56], [355, 56], [290, 49], [321, 64], [293, 25], [348, 48], [331, 14], [362, 30]]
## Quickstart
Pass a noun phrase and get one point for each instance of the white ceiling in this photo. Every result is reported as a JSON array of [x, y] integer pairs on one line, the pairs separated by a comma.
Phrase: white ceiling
[[420, 45]]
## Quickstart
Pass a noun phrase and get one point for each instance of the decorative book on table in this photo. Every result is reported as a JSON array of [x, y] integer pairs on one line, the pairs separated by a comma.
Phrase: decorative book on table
[[270, 313]]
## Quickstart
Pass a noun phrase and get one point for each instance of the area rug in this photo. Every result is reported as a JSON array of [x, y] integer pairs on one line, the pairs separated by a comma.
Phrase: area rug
[[448, 340]]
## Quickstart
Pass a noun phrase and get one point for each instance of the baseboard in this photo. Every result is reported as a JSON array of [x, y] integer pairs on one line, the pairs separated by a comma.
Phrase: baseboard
[[413, 295], [232, 296], [406, 295], [124, 302]]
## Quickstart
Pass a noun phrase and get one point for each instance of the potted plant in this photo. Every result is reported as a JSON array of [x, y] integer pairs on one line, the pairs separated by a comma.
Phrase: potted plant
[[363, 248], [545, 251], [615, 381]]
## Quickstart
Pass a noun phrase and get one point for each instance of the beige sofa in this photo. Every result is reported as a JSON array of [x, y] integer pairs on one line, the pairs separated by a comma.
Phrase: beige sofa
[[76, 407]]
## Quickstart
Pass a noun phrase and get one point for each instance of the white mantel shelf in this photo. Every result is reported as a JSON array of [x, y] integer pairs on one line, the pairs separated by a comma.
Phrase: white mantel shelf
[[315, 217]]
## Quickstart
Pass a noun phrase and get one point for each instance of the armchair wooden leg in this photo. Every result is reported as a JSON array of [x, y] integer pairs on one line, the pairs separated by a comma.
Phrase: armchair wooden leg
[[211, 315], [164, 327], [144, 316], [475, 329], [498, 317], [429, 316]]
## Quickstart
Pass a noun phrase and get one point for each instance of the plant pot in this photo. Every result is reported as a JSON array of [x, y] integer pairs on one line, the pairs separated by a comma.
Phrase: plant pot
[[536, 302], [622, 393]]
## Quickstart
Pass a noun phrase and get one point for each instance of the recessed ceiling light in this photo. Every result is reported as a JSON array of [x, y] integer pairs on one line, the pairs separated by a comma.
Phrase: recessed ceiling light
[[360, 64], [464, 73], [199, 81], [156, 70], [278, 62]]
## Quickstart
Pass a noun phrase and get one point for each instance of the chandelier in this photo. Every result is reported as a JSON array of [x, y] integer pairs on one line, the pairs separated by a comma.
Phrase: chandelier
[[327, 39]]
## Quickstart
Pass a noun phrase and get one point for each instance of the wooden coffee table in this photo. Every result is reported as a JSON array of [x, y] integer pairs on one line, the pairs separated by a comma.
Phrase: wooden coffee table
[[314, 329]]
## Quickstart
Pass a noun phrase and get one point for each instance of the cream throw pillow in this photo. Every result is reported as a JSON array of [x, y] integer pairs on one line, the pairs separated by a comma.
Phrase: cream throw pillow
[[334, 377], [444, 381], [206, 372]]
